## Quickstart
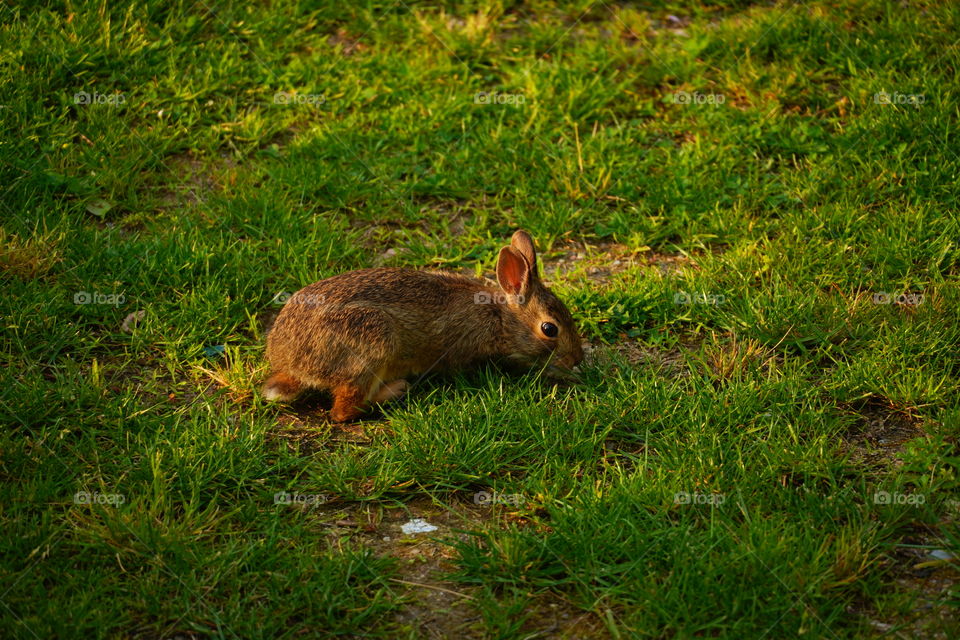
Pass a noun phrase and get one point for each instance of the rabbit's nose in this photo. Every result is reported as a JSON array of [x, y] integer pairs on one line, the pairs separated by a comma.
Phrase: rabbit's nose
[[575, 358], [570, 361]]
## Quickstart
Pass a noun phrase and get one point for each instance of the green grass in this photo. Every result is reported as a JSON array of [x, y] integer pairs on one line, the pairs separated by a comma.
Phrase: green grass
[[259, 147]]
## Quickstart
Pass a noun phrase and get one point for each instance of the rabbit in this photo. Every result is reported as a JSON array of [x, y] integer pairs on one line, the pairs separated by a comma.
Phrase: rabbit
[[361, 333]]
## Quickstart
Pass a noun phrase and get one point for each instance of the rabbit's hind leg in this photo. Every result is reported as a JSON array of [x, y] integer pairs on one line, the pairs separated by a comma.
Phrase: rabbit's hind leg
[[349, 402], [352, 399], [281, 387]]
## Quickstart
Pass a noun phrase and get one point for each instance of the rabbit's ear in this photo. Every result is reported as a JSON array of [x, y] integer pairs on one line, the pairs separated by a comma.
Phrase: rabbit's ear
[[513, 273], [522, 242]]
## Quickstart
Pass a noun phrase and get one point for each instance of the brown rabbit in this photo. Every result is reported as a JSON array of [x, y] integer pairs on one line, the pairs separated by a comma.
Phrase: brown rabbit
[[359, 334]]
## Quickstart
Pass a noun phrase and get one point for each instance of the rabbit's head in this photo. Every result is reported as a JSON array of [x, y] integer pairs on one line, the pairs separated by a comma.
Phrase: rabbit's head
[[538, 327]]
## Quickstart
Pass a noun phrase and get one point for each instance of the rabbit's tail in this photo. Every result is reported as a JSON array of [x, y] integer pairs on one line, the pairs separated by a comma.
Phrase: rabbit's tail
[[281, 387]]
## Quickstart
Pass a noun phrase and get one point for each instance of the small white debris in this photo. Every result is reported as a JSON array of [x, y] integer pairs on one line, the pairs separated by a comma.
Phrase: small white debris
[[940, 554], [417, 525], [386, 538], [132, 320]]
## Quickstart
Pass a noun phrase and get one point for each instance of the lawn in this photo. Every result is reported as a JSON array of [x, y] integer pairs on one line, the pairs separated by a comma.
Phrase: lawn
[[751, 210]]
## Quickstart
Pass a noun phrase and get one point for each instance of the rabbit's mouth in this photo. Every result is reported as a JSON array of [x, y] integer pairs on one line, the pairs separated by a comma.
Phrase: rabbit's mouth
[[564, 374], [558, 366], [551, 362], [553, 368], [567, 364]]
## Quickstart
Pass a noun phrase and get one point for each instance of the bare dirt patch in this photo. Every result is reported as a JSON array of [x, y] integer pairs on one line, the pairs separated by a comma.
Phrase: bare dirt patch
[[435, 606], [877, 440], [926, 579], [880, 432], [440, 608]]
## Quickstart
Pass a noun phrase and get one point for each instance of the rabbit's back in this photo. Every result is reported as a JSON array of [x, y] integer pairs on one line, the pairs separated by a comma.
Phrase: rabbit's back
[[403, 320], [392, 287]]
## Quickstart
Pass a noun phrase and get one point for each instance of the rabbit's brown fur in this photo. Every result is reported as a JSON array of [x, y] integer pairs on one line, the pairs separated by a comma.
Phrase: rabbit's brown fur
[[359, 334]]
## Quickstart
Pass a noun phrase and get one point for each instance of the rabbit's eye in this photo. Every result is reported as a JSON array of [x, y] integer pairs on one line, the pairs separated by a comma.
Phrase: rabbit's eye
[[549, 329]]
